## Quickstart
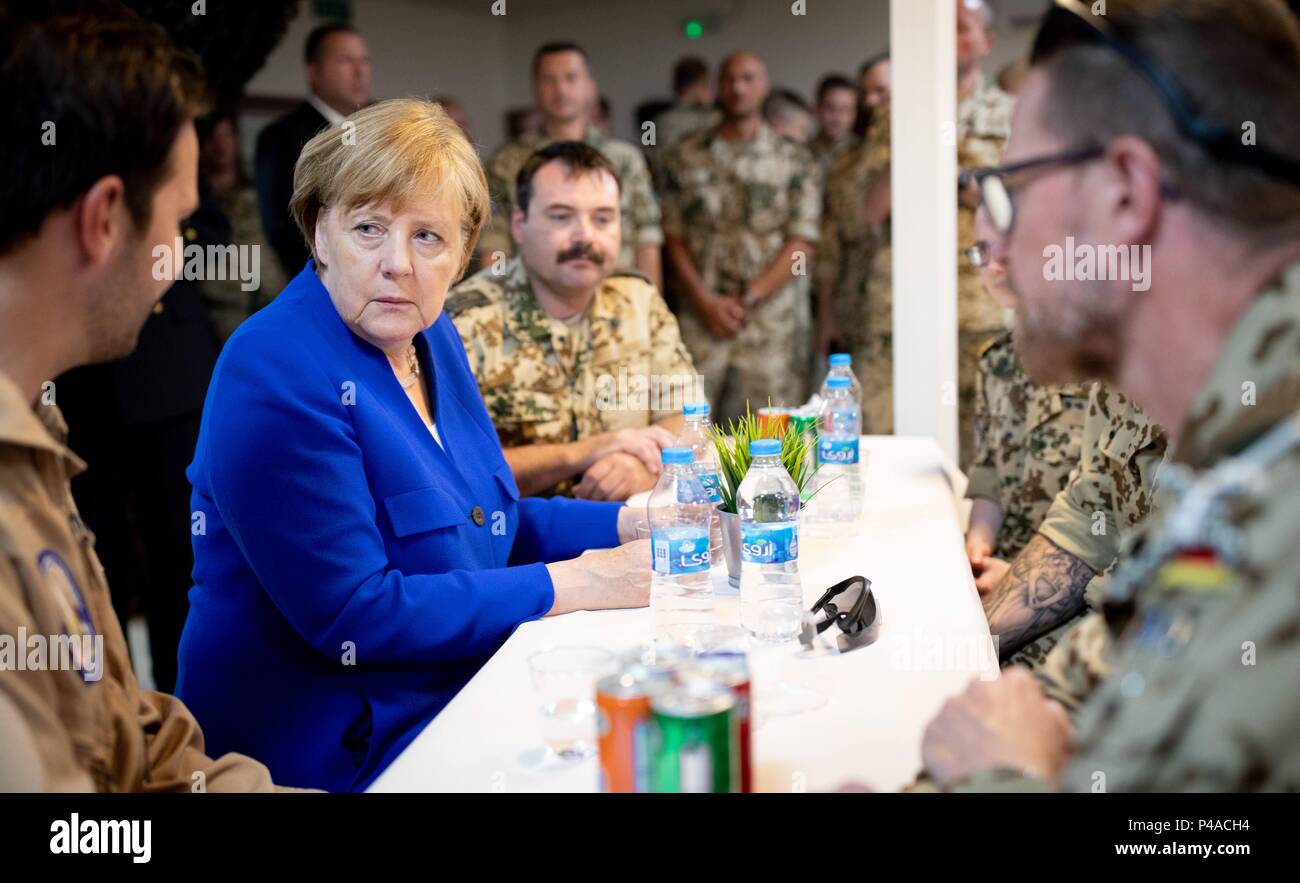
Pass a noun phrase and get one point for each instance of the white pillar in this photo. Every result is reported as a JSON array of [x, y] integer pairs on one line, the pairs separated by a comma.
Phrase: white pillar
[[923, 45]]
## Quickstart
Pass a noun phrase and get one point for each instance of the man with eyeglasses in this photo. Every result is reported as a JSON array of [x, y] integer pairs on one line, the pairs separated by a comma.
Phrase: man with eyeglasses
[[1172, 127]]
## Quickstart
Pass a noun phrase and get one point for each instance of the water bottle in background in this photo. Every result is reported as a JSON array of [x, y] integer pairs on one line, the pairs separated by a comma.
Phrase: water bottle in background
[[771, 596], [840, 474], [842, 366], [680, 516], [695, 435]]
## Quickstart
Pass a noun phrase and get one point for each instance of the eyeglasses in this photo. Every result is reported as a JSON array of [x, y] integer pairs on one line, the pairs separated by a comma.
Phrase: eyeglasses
[[997, 185], [1071, 21]]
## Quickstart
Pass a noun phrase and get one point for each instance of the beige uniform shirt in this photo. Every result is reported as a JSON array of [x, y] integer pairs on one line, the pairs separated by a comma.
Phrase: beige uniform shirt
[[1027, 444], [621, 365], [92, 725]]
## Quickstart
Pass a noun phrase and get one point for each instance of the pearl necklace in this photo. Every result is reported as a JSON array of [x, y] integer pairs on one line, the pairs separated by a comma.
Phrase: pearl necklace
[[413, 361]]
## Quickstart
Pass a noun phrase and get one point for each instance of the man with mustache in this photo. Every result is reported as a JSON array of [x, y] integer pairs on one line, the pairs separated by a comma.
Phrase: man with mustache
[[582, 368]]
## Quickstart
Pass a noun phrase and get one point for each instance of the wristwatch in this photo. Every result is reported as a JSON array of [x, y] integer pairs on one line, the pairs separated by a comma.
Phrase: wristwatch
[[747, 298]]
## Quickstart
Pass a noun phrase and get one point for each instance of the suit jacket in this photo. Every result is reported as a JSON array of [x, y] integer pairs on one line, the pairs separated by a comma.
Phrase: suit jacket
[[350, 574], [277, 153]]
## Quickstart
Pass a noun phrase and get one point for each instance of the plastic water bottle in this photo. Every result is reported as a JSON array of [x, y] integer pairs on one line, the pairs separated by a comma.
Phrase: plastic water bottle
[[695, 435], [842, 366], [680, 517], [771, 596], [839, 498]]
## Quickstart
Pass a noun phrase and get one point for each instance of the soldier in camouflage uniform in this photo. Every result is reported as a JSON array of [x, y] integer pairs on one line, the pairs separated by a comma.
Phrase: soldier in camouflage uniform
[[1110, 492], [837, 108], [854, 276], [1027, 445], [565, 115], [983, 126], [586, 382], [1201, 611], [693, 109], [741, 212]]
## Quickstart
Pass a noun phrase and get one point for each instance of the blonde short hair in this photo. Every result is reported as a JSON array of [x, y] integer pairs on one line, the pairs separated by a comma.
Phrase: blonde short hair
[[388, 154]]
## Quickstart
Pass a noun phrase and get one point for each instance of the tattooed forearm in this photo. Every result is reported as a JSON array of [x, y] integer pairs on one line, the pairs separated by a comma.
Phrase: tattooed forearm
[[1043, 589]]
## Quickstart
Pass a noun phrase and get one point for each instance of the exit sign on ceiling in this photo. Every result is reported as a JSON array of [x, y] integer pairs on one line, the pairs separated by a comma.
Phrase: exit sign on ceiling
[[333, 10]]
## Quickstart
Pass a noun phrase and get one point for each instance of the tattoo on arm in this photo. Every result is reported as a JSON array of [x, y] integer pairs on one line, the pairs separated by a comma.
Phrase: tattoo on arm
[[1043, 589]]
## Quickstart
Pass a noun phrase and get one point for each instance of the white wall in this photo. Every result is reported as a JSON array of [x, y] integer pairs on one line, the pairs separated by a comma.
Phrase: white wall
[[459, 47], [416, 48]]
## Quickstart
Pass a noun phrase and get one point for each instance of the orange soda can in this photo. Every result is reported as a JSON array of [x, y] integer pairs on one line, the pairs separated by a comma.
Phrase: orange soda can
[[623, 721]]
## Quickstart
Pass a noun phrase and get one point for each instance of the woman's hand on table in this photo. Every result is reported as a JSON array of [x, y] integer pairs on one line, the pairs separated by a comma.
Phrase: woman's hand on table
[[605, 580], [629, 520]]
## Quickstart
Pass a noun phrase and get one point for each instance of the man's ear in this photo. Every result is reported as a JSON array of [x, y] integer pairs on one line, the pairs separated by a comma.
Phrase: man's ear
[[1132, 194], [517, 218], [100, 219]]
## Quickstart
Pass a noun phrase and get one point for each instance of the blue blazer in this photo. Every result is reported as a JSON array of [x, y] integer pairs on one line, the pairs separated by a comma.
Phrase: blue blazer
[[351, 575]]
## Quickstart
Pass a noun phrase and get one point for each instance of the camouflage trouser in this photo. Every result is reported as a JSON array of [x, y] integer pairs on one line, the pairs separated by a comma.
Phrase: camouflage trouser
[[769, 358], [969, 346]]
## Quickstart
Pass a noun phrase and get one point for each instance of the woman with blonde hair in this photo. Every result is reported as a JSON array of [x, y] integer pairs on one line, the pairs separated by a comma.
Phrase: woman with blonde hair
[[360, 545]]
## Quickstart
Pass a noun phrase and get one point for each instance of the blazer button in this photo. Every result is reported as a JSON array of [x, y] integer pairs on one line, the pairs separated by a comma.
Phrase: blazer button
[[477, 514]]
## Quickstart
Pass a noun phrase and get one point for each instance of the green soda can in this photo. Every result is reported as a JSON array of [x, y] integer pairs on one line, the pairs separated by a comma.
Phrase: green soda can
[[806, 425], [696, 740]]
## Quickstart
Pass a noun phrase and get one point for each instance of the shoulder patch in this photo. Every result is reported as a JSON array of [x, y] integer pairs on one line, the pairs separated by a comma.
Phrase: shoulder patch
[[630, 274], [462, 299], [1000, 341]]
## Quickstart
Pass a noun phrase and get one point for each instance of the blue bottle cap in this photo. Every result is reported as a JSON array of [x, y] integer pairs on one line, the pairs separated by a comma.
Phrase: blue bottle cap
[[841, 360], [837, 383], [764, 447], [696, 409], [678, 456]]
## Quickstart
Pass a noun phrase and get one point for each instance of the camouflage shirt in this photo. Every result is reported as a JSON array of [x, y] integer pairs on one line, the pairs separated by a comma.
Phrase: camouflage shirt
[[1207, 650], [1114, 488], [983, 127], [1113, 491], [825, 152], [621, 365], [1027, 443], [736, 203], [638, 206], [847, 256], [673, 125]]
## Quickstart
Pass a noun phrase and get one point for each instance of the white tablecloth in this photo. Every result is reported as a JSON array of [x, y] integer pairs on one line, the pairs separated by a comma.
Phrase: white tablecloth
[[933, 640]]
